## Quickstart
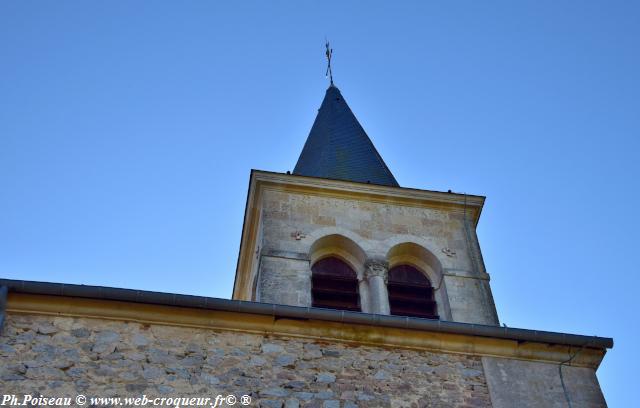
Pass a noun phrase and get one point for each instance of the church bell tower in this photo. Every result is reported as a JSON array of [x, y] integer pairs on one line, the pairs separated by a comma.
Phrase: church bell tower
[[341, 233]]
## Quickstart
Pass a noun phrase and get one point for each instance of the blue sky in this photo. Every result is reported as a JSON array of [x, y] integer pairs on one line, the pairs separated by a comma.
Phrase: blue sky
[[128, 130]]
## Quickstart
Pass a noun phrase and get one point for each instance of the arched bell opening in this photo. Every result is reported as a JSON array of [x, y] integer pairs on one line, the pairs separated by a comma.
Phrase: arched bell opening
[[411, 293], [416, 283], [334, 285]]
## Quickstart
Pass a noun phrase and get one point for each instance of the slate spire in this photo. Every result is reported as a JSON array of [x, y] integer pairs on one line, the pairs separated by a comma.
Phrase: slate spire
[[338, 147]]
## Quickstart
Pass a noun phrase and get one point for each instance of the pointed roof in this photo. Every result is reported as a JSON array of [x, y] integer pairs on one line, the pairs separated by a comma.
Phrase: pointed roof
[[338, 147]]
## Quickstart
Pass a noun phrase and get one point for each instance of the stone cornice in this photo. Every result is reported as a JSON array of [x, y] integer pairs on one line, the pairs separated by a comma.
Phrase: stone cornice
[[454, 202], [322, 325]]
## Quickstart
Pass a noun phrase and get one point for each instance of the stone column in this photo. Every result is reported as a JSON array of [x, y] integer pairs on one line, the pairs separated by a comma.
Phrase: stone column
[[376, 273], [363, 289]]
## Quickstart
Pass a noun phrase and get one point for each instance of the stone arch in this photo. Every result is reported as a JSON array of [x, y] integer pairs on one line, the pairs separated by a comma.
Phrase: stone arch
[[433, 250], [341, 247], [346, 249], [419, 257], [410, 253]]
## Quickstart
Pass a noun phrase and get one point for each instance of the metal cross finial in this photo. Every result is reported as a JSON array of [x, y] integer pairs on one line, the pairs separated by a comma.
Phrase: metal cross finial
[[329, 52]]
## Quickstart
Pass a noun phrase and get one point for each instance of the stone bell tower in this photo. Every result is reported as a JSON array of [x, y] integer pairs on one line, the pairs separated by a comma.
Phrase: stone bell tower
[[340, 233]]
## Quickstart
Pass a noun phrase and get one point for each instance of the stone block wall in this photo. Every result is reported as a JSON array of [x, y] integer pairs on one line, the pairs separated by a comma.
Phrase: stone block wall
[[63, 356], [529, 384], [285, 281], [292, 221]]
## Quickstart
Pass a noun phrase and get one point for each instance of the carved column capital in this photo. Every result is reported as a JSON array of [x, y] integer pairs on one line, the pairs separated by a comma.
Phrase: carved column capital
[[377, 267], [376, 272]]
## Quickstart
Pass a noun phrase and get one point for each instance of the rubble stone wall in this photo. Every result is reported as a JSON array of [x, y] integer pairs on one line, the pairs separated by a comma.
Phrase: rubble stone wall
[[64, 356]]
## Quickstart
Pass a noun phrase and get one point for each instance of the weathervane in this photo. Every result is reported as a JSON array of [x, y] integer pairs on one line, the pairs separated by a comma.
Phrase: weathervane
[[329, 52]]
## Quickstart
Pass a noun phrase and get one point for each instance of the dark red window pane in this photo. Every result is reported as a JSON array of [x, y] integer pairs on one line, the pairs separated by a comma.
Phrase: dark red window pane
[[334, 285], [410, 293]]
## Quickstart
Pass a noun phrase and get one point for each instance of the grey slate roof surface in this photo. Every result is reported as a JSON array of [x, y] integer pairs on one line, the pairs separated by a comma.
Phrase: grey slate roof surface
[[339, 148]]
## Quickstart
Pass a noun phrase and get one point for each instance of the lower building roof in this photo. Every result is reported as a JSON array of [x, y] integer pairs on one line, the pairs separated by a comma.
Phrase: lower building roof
[[296, 312]]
